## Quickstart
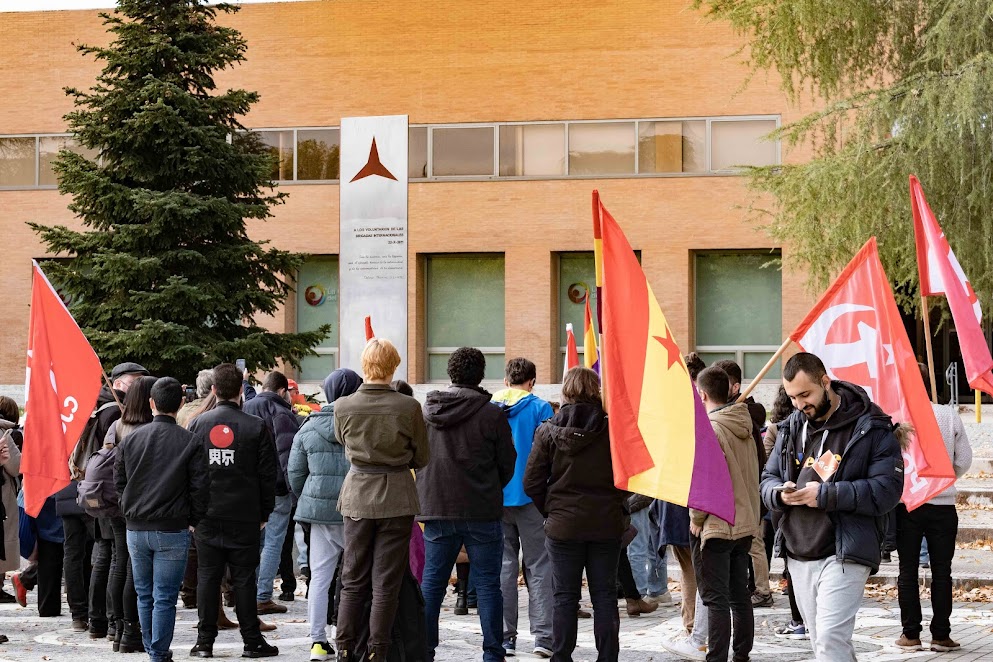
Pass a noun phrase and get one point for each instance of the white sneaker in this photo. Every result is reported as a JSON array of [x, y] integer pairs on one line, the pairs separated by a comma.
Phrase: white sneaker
[[541, 651], [685, 648]]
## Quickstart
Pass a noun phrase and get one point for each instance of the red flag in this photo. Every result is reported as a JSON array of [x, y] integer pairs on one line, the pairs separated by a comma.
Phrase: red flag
[[369, 335], [62, 384], [856, 330], [571, 353], [941, 273]]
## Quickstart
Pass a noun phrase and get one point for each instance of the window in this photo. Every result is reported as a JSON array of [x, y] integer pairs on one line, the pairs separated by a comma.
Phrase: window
[[417, 152], [741, 143], [739, 309], [532, 150], [672, 146], [317, 304], [604, 148], [465, 307], [281, 147], [462, 151], [318, 152], [17, 161], [577, 276], [48, 152]]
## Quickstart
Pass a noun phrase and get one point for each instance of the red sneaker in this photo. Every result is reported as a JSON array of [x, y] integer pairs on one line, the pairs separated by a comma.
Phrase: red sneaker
[[20, 592]]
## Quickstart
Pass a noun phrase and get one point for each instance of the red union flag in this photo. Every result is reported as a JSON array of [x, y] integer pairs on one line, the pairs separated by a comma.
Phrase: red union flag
[[61, 386], [857, 332], [941, 273]]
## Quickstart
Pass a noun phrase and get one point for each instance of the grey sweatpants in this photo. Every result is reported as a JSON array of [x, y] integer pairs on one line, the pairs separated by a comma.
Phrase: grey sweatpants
[[829, 594], [523, 528]]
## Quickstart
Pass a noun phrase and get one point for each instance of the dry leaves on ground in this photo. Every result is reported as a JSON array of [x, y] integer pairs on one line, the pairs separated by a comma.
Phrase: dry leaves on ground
[[980, 594], [983, 545]]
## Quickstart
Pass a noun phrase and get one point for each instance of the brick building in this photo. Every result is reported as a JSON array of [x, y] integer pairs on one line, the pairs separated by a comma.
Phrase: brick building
[[517, 111]]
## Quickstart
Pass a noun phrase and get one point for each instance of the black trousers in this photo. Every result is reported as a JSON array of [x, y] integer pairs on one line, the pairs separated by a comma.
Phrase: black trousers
[[794, 609], [236, 545], [122, 598], [625, 577], [76, 563], [188, 590], [49, 578], [890, 536], [600, 560], [101, 556], [939, 525], [286, 572], [722, 578]]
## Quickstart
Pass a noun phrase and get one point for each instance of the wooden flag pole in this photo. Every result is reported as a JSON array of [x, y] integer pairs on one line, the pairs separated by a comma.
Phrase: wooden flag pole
[[768, 366], [930, 355], [112, 391]]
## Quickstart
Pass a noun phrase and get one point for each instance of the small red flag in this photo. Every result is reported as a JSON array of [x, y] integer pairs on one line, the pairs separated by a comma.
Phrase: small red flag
[[369, 335], [857, 332], [62, 384], [571, 352]]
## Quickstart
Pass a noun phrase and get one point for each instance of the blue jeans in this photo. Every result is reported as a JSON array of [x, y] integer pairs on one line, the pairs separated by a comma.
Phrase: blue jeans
[[272, 546], [484, 543], [650, 570], [158, 561]]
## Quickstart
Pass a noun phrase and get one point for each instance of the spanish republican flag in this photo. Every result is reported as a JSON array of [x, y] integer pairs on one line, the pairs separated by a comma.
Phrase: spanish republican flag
[[661, 440], [591, 355]]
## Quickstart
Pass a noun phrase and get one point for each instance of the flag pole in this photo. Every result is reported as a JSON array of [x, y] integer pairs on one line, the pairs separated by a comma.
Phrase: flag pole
[[927, 342], [768, 366], [110, 386]]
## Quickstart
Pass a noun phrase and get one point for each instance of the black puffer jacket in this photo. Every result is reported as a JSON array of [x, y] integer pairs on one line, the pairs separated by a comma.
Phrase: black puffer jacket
[[472, 456], [866, 486], [570, 476], [283, 425]]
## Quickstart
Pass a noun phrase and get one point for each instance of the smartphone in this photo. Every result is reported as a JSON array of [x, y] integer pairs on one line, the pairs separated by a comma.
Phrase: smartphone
[[784, 488], [241, 364]]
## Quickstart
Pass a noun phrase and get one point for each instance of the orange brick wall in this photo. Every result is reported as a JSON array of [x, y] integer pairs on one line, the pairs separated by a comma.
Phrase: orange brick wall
[[445, 61]]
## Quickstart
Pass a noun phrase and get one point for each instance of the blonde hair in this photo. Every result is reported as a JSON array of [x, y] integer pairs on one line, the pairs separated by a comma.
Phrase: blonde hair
[[380, 360]]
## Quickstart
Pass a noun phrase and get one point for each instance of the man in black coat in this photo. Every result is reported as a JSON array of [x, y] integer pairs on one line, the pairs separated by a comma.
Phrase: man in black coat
[[241, 463]]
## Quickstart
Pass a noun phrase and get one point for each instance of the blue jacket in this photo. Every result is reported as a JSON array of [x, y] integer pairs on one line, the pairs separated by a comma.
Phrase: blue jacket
[[525, 412], [867, 485], [674, 523], [317, 469]]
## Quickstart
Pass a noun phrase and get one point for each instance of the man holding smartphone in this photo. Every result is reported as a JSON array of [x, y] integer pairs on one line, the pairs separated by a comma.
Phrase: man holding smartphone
[[835, 471]]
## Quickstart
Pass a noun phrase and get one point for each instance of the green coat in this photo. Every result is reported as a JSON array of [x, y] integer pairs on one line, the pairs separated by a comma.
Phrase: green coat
[[317, 468]]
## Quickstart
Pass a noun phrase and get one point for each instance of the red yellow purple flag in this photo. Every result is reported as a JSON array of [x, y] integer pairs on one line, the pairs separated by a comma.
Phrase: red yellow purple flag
[[661, 440], [591, 354]]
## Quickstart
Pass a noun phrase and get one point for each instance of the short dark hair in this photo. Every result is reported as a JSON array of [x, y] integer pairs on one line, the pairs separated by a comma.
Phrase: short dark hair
[[227, 381], [926, 376], [520, 371], [400, 386], [466, 366], [732, 369], [9, 410], [167, 394], [715, 383], [581, 385], [136, 408], [694, 364], [804, 362], [274, 381]]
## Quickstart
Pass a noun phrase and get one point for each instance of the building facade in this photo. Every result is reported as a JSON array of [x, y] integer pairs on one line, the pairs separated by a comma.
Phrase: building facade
[[517, 112]]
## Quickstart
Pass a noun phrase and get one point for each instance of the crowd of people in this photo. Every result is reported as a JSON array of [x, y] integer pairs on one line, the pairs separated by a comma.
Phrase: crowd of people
[[200, 497]]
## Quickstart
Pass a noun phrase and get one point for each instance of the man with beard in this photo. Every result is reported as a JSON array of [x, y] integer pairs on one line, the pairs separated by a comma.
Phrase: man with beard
[[835, 471]]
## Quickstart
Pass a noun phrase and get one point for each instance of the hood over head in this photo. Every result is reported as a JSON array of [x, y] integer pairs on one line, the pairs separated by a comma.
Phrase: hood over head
[[340, 383], [448, 408], [576, 426]]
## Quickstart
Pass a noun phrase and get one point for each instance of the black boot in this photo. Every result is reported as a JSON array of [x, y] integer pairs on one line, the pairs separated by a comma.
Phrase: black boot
[[131, 640], [202, 648], [112, 630], [118, 634], [260, 648], [462, 601]]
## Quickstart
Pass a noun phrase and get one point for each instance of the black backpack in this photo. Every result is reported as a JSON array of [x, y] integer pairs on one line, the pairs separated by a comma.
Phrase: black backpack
[[98, 490]]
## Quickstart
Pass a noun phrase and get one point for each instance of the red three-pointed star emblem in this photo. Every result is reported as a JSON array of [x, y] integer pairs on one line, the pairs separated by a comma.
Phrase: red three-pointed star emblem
[[672, 350]]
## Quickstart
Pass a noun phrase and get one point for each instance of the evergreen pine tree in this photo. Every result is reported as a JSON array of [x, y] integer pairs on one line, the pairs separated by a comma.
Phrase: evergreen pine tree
[[165, 273], [905, 87]]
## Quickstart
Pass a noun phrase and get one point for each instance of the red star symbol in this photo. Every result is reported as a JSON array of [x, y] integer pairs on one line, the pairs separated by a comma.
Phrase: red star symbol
[[671, 349], [373, 166]]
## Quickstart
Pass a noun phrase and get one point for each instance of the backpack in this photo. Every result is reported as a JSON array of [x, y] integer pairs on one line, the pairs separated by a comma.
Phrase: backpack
[[98, 490]]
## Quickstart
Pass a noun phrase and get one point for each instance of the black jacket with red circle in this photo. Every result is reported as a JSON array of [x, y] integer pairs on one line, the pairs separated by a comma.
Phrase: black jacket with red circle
[[241, 463]]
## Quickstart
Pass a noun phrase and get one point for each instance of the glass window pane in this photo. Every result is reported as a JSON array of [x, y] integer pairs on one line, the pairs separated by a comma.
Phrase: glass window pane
[[710, 358], [536, 149], [465, 302], [467, 151], [417, 152], [738, 302], [317, 154], [576, 275], [672, 146], [438, 367], [48, 147], [316, 368], [317, 297], [601, 149], [740, 143], [281, 147], [755, 361], [17, 162]]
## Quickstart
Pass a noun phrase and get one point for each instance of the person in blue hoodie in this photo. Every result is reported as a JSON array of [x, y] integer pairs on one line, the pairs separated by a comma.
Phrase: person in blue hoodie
[[523, 525]]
